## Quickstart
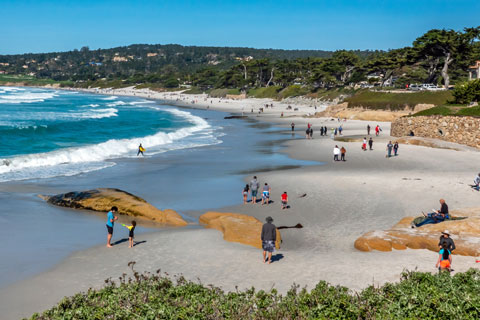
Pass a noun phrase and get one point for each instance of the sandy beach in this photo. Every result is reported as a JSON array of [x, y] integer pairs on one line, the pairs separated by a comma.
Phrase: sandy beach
[[343, 201]]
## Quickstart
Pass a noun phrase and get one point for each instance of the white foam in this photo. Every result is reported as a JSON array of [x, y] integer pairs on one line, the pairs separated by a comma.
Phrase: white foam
[[110, 98], [93, 105], [26, 97], [81, 159], [116, 103]]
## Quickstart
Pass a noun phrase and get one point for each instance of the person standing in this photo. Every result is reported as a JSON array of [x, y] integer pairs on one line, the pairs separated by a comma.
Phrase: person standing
[[325, 131], [445, 238], [340, 129], [111, 218], [343, 151], [364, 144], [368, 129], [395, 148], [321, 131], [284, 199], [370, 143], [268, 237], [389, 149], [377, 130], [336, 153], [444, 261], [245, 193], [293, 126], [336, 130], [266, 194], [254, 189], [311, 132]]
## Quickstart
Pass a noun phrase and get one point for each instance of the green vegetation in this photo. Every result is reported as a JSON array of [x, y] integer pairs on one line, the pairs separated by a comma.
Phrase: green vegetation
[[25, 80], [397, 101], [467, 92], [451, 110], [417, 296], [222, 93], [436, 111], [438, 57]]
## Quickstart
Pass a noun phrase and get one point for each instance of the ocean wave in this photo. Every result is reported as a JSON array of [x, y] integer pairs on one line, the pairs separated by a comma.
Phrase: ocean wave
[[110, 98], [26, 97], [99, 114], [56, 161], [92, 105], [117, 103]]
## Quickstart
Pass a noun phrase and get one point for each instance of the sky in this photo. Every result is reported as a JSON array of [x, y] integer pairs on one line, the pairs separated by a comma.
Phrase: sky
[[46, 26]]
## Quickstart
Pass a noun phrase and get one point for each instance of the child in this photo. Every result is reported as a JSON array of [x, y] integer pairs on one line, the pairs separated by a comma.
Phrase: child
[[444, 258], [245, 193], [131, 233], [284, 200]]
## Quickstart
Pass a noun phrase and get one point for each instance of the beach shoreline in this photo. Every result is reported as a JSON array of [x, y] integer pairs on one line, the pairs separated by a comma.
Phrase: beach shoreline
[[343, 201]]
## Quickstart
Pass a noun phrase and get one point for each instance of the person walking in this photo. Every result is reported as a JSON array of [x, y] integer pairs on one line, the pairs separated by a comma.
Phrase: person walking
[[370, 143], [336, 153], [368, 129], [254, 189], [335, 131], [293, 126], [445, 238], [111, 218], [321, 131], [141, 149], [268, 237], [340, 129], [245, 193], [343, 151], [266, 194], [311, 132], [364, 144], [325, 131], [444, 262], [395, 148], [377, 130], [389, 149]]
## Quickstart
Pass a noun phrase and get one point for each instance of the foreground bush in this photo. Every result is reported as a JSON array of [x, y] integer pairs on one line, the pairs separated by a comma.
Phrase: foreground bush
[[147, 296]]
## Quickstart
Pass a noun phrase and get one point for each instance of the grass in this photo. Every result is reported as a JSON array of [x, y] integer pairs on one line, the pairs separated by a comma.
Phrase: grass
[[28, 80], [450, 110], [397, 101], [262, 93], [222, 93], [152, 296], [195, 90], [292, 91], [331, 94]]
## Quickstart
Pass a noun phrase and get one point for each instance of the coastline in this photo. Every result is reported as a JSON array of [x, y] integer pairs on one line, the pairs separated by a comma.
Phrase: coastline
[[343, 201]]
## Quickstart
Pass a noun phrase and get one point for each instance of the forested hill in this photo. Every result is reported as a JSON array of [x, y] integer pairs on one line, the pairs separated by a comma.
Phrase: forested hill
[[121, 62]]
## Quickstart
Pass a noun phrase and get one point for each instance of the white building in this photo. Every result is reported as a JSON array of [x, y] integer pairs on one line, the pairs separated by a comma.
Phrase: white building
[[474, 71]]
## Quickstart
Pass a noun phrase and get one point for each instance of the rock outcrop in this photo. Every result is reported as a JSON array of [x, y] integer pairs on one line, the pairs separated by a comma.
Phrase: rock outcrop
[[465, 233], [128, 204], [237, 227]]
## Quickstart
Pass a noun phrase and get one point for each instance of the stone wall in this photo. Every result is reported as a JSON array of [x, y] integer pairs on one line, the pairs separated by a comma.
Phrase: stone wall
[[463, 130]]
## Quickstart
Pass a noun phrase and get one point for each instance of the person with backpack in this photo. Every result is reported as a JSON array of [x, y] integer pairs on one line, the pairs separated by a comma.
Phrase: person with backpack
[[444, 262]]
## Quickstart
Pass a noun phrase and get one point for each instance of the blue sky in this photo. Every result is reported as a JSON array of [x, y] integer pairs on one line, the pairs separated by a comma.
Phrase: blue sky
[[44, 26]]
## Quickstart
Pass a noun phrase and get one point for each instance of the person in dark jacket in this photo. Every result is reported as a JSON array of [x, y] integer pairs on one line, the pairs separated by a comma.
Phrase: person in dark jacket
[[269, 236], [445, 238]]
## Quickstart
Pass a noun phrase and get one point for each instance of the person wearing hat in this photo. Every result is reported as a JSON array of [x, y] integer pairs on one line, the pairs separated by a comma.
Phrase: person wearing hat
[[269, 237], [445, 238]]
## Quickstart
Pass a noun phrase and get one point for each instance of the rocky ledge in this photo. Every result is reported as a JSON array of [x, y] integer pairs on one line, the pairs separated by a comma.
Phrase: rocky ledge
[[237, 227], [465, 233], [103, 199]]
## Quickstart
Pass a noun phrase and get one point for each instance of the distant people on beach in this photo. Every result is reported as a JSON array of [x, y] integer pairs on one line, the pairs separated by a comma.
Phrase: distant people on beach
[[284, 199], [476, 182], [268, 237], [364, 144], [254, 189], [368, 129], [141, 149], [131, 232], [245, 191], [343, 151], [321, 131], [340, 129], [395, 148], [444, 262], [311, 132], [111, 218], [293, 126], [266, 194], [377, 130], [336, 153], [335, 132], [436, 216], [370, 143], [325, 130], [389, 149]]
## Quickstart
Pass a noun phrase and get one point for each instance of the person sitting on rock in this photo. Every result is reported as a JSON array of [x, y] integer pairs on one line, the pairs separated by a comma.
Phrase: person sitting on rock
[[444, 261], [436, 216]]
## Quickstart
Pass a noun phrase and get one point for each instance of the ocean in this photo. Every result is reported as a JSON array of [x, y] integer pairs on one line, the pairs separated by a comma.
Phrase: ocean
[[47, 133]]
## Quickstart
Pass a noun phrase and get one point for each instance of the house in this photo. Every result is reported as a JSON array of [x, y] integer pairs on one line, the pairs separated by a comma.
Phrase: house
[[474, 71]]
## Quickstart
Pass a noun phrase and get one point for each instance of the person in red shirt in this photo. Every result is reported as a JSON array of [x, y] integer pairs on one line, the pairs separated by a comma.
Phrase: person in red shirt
[[284, 200]]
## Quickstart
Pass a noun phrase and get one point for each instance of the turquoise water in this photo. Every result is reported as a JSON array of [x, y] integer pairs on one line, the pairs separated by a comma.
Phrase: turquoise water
[[46, 133]]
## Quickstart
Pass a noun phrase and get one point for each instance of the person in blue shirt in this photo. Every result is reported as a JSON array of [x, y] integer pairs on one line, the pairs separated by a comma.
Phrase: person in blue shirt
[[110, 222]]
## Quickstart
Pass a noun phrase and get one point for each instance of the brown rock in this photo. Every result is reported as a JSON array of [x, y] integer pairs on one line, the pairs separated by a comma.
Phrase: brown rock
[[237, 227], [465, 233], [128, 204]]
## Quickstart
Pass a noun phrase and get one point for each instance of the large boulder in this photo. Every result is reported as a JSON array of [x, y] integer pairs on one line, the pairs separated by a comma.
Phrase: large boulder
[[465, 233], [237, 227], [103, 199]]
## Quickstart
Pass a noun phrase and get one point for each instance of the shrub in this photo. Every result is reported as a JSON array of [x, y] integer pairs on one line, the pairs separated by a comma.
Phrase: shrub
[[152, 296], [467, 92]]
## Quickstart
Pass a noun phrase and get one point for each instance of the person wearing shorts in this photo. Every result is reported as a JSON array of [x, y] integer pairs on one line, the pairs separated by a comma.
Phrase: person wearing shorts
[[266, 194], [284, 200], [254, 188], [110, 222], [269, 237]]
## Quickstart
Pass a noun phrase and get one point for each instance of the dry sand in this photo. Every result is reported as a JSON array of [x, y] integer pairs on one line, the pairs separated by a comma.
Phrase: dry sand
[[343, 201]]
